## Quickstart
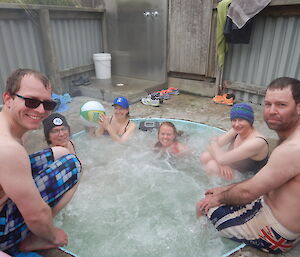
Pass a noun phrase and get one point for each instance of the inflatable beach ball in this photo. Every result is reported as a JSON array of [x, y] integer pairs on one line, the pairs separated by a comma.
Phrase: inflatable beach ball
[[89, 113]]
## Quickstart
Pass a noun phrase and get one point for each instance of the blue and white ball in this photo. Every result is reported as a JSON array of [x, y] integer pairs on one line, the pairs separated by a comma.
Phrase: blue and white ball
[[89, 113]]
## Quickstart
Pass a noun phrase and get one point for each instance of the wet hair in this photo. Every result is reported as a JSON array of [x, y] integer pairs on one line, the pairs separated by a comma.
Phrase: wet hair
[[168, 124], [13, 82], [285, 82], [171, 125]]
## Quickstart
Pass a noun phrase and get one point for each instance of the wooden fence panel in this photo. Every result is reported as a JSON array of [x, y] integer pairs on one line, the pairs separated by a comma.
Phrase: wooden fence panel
[[190, 50]]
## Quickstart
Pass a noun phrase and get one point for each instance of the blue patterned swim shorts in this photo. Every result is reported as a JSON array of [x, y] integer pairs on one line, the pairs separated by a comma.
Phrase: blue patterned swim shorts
[[53, 179], [253, 224]]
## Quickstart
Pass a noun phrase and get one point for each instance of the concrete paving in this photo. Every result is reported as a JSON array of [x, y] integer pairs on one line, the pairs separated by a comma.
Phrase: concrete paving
[[108, 89]]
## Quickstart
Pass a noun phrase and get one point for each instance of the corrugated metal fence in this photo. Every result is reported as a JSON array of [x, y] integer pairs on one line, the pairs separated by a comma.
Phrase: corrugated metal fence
[[76, 35], [274, 51]]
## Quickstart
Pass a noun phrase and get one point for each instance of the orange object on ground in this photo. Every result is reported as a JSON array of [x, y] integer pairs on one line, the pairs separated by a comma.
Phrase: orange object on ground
[[173, 91], [163, 92], [227, 99]]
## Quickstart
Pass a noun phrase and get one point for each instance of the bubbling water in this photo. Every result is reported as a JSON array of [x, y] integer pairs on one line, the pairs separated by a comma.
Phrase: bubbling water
[[132, 201]]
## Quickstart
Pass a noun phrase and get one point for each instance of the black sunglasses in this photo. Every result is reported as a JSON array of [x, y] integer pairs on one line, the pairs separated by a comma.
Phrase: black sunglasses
[[34, 103]]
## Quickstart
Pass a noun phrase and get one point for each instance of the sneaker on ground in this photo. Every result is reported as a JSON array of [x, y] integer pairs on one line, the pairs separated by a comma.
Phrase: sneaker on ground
[[81, 81], [156, 95], [173, 91], [227, 99], [150, 101], [164, 94], [219, 98]]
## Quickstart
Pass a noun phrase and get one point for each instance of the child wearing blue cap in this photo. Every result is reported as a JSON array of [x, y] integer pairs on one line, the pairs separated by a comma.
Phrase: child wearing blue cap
[[118, 126], [247, 150]]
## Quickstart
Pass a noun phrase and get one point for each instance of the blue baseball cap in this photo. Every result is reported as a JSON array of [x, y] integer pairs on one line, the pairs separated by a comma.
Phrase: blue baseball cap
[[122, 101]]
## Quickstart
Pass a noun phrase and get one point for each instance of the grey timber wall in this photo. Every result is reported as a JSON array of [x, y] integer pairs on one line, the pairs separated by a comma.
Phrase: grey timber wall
[[192, 25], [58, 41]]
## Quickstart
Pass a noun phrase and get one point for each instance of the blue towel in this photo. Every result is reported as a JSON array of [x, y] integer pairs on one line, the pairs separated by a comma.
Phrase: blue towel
[[62, 101], [55, 97], [66, 98]]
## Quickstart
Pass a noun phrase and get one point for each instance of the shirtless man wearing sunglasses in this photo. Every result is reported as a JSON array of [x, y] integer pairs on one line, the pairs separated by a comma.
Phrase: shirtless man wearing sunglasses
[[30, 192]]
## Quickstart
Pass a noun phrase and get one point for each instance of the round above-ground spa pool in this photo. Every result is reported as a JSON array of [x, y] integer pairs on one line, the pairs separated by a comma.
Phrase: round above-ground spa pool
[[133, 201]]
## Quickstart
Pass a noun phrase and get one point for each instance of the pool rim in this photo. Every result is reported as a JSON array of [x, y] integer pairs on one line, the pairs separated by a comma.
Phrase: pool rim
[[159, 119]]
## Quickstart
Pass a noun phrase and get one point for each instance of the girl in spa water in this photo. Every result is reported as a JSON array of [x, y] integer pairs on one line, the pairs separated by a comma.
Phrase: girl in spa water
[[167, 140]]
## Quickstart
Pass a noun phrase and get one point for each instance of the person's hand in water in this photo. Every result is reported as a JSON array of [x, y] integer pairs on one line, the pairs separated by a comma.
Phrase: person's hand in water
[[226, 172]]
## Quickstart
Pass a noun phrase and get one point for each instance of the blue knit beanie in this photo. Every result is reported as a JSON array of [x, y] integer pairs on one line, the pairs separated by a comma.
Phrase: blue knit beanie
[[242, 111]]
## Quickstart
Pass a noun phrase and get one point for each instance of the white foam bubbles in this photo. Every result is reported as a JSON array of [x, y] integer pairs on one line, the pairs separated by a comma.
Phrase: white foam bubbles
[[133, 202]]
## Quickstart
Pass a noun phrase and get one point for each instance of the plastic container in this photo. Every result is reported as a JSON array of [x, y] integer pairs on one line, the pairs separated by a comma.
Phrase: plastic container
[[102, 63]]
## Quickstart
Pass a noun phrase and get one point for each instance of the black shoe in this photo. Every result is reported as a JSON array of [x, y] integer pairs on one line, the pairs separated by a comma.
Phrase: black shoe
[[81, 81], [228, 96]]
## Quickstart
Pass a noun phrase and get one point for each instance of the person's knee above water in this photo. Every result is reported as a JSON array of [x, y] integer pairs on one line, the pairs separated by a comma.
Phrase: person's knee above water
[[247, 149], [167, 139], [264, 211], [118, 126], [57, 132], [32, 189]]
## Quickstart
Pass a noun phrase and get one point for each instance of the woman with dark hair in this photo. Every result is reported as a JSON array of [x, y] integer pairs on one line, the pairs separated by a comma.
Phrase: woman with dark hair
[[57, 132], [118, 126]]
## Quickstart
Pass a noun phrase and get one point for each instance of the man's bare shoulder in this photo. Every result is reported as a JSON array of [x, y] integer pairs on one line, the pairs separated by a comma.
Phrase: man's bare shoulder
[[286, 156], [287, 149], [11, 149], [291, 142], [8, 139]]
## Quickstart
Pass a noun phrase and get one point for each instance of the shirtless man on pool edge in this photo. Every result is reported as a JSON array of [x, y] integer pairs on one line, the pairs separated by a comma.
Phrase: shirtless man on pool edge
[[264, 211], [32, 188]]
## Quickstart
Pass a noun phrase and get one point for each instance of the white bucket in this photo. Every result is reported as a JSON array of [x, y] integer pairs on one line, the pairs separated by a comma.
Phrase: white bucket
[[102, 63]]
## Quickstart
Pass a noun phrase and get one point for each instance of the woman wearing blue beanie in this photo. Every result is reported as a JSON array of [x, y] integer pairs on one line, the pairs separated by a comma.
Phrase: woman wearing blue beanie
[[247, 150]]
